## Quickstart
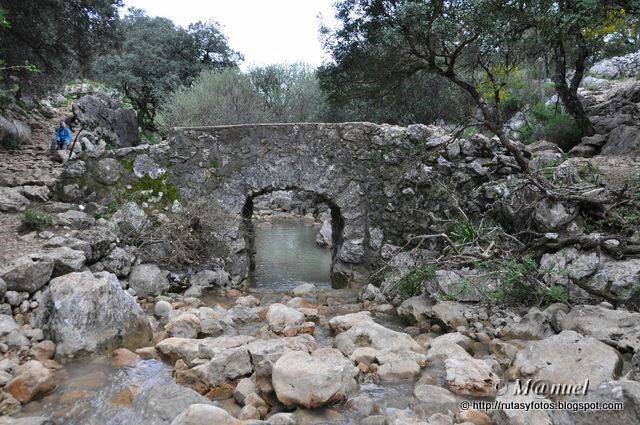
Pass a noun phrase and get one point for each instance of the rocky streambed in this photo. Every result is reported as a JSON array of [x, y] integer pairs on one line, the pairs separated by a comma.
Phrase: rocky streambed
[[285, 351]]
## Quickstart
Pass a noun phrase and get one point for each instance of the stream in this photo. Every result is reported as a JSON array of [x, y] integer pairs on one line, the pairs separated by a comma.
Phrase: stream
[[93, 391]]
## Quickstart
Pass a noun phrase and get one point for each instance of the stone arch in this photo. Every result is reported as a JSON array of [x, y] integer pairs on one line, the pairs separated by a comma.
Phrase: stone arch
[[337, 227]]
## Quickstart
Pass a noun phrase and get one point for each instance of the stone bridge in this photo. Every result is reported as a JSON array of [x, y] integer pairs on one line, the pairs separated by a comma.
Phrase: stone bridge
[[383, 184]]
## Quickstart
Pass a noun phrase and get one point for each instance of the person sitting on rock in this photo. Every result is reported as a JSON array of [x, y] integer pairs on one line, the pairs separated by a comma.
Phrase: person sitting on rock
[[63, 136]]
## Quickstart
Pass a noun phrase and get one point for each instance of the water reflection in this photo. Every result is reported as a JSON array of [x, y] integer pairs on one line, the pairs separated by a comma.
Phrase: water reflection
[[287, 254]]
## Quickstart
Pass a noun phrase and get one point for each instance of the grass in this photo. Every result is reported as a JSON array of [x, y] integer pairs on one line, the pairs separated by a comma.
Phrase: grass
[[36, 220], [463, 231], [410, 284]]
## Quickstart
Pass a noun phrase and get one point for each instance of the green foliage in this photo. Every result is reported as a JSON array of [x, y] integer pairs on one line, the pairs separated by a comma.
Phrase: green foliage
[[151, 137], [589, 172], [291, 93], [4, 23], [58, 38], [463, 231], [518, 284], [469, 132], [475, 46], [157, 57], [36, 220], [514, 286], [355, 95], [411, 284], [212, 46], [158, 191], [549, 122], [275, 93], [459, 289], [214, 98], [107, 211], [554, 294]]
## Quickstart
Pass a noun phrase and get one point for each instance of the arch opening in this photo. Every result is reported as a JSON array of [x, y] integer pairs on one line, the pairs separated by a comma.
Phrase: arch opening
[[315, 205]]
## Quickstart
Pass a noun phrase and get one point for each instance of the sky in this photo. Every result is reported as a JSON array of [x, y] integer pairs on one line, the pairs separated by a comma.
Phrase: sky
[[264, 31]]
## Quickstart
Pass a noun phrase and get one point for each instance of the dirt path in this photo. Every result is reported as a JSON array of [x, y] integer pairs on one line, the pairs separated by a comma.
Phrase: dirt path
[[31, 165]]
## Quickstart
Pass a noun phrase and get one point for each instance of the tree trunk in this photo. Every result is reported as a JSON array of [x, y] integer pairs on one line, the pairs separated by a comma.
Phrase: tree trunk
[[569, 94], [493, 120]]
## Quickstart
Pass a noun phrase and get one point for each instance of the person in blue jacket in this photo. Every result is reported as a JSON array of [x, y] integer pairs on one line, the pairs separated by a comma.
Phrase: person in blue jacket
[[63, 136]]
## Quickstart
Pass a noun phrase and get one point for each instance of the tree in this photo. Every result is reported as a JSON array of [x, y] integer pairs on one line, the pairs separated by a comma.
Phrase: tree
[[53, 37], [475, 44], [156, 57], [419, 98], [95, 30], [291, 92], [214, 98], [212, 46], [272, 93], [573, 30]]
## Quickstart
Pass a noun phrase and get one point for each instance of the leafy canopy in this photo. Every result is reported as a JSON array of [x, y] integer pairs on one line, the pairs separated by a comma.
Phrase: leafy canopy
[[156, 57]]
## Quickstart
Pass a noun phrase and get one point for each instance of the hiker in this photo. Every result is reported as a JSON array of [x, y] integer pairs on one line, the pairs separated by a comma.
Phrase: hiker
[[63, 136]]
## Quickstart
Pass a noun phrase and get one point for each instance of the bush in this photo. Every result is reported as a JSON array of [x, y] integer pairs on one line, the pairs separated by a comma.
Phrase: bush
[[275, 93], [550, 123], [186, 238], [215, 98], [518, 283], [411, 284], [36, 220]]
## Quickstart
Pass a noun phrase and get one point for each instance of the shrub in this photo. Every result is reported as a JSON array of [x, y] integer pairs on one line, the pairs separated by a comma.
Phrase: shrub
[[410, 284], [191, 236], [550, 123], [36, 220]]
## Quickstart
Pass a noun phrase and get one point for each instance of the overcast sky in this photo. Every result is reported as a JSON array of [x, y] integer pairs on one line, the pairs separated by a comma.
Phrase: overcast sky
[[264, 31]]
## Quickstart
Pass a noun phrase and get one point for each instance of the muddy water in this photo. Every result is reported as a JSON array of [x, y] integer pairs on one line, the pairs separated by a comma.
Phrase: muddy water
[[92, 391]]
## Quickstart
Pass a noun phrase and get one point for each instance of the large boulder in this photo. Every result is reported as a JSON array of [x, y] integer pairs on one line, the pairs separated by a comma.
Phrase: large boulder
[[623, 391], [13, 133], [66, 260], [469, 376], [534, 325], [347, 321], [623, 140], [11, 200], [614, 327], [415, 309], [100, 239], [185, 325], [160, 401], [205, 414], [568, 358], [148, 280], [119, 262], [27, 273], [374, 335], [108, 171], [106, 117], [315, 380], [597, 271], [280, 317], [265, 353], [434, 399], [130, 218], [87, 313], [226, 364]]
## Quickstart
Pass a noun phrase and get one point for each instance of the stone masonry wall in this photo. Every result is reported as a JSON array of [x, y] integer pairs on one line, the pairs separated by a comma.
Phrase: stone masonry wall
[[385, 184]]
